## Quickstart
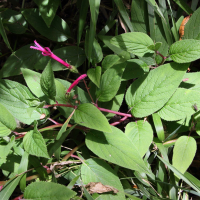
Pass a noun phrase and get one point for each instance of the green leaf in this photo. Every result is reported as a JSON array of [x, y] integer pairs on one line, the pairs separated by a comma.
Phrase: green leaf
[[140, 133], [3, 34], [89, 116], [16, 98], [7, 122], [94, 75], [96, 170], [184, 6], [150, 92], [9, 188], [117, 148], [22, 58], [135, 43], [183, 154], [155, 47], [47, 9], [109, 61], [34, 143], [47, 82], [73, 55], [192, 28], [59, 31], [14, 21], [178, 108], [53, 191], [139, 16], [185, 51], [110, 82], [159, 127], [124, 14]]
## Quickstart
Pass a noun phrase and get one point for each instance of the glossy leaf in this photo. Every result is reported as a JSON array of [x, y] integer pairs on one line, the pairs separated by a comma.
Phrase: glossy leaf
[[140, 133], [178, 108], [89, 116], [110, 83], [53, 190], [47, 82], [95, 170], [47, 9], [185, 51], [135, 43], [117, 148], [183, 153], [59, 31], [7, 122], [94, 75], [150, 92], [34, 143]]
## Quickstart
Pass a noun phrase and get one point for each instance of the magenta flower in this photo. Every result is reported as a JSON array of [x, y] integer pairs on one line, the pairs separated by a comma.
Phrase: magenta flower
[[76, 82], [47, 52]]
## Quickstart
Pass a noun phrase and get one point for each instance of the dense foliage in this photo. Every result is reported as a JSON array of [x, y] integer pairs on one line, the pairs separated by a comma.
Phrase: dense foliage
[[99, 99]]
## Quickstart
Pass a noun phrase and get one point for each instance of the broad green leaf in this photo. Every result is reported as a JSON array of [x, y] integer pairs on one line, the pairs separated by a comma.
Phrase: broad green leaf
[[9, 188], [134, 69], [89, 116], [109, 61], [159, 127], [155, 47], [71, 54], [139, 16], [110, 82], [3, 34], [150, 92], [7, 122], [47, 82], [96, 170], [135, 43], [140, 133], [23, 168], [16, 98], [59, 31], [53, 191], [184, 6], [124, 14], [183, 154], [82, 18], [117, 148], [94, 75], [178, 108], [47, 9], [34, 143], [14, 21], [185, 51], [22, 58], [192, 28]]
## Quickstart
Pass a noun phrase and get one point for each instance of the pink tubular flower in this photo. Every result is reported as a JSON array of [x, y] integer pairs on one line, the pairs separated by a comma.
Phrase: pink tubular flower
[[76, 82], [47, 52]]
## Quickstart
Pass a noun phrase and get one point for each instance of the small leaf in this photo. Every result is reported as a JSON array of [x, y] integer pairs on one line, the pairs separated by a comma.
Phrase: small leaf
[[53, 191], [7, 121], [34, 143], [185, 51], [159, 127], [94, 75], [150, 92], [155, 47], [183, 153], [141, 134], [89, 116], [134, 42], [47, 82], [117, 148]]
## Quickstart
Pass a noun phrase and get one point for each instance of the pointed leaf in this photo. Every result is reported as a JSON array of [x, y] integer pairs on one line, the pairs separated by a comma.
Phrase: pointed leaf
[[135, 43], [185, 51], [47, 82], [94, 75], [117, 148], [183, 154], [89, 116], [141, 134], [53, 191], [150, 92]]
